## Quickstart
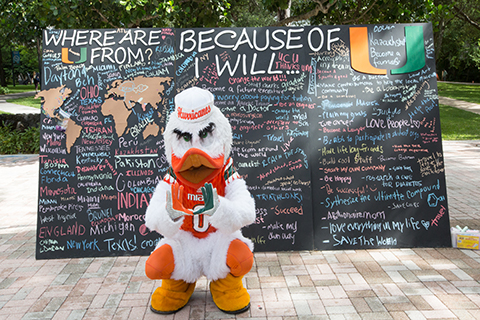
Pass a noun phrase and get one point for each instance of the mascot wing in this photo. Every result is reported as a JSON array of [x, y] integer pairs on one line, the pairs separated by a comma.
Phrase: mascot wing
[[157, 217], [236, 209]]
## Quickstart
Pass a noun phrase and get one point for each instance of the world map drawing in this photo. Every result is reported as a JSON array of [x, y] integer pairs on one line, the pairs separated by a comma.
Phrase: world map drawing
[[121, 98]]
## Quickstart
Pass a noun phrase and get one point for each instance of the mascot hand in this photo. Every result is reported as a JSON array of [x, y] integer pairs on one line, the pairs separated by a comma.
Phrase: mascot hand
[[175, 206], [210, 198]]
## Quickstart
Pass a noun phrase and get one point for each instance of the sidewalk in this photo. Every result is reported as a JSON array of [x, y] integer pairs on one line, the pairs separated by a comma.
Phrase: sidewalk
[[418, 283], [467, 106], [4, 97], [8, 107]]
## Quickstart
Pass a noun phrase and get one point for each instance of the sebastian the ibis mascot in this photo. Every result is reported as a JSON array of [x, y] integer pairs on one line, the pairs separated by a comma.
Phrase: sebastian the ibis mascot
[[199, 208]]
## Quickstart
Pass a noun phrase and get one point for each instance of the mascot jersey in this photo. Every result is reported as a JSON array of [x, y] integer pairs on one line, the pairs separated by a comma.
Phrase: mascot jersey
[[193, 199]]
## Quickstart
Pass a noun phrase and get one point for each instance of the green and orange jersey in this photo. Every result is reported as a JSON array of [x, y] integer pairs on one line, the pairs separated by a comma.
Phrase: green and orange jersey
[[193, 199]]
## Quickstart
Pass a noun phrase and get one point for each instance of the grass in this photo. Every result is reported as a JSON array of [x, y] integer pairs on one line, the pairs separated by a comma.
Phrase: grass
[[20, 88], [28, 101], [457, 124], [465, 92]]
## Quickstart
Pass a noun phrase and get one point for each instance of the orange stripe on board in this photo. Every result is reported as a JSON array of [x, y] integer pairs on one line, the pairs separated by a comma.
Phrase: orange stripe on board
[[359, 56], [65, 56]]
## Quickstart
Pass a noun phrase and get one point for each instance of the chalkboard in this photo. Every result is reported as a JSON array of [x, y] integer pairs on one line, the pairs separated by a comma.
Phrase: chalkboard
[[271, 129], [379, 173], [336, 131], [105, 97]]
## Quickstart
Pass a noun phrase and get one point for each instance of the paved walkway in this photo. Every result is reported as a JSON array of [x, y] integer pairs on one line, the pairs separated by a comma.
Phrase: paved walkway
[[468, 106], [5, 97], [8, 107], [419, 283]]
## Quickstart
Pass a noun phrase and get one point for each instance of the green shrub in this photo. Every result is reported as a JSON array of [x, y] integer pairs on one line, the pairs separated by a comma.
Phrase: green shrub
[[4, 90], [16, 142]]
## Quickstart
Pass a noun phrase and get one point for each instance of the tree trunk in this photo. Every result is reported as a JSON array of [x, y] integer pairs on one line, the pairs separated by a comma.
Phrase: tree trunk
[[283, 14], [3, 81], [439, 39], [38, 44]]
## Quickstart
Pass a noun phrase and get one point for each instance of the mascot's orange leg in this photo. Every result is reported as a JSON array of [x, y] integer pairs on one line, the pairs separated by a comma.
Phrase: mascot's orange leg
[[160, 263], [229, 294], [239, 258], [173, 295]]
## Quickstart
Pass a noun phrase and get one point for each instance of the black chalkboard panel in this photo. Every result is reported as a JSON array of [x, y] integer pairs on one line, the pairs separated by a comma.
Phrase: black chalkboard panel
[[257, 81], [104, 100], [379, 174], [336, 131]]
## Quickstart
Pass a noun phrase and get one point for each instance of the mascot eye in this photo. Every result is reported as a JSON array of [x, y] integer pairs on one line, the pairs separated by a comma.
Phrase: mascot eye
[[185, 135], [206, 131]]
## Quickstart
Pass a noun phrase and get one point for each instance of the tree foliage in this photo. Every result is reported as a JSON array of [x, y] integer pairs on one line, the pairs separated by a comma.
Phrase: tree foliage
[[20, 28], [456, 23], [137, 13], [331, 12], [457, 37]]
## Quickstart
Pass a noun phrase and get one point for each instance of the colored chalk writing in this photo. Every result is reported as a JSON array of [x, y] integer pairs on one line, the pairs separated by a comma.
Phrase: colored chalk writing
[[335, 130]]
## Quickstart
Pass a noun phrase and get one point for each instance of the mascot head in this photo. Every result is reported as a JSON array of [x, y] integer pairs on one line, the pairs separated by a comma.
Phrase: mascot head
[[198, 138]]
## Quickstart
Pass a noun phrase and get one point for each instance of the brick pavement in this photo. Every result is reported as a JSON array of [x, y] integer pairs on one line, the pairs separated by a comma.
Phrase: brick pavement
[[419, 283]]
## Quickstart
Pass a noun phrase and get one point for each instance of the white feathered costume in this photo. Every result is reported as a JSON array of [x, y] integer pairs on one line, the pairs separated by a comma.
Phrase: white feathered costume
[[199, 208]]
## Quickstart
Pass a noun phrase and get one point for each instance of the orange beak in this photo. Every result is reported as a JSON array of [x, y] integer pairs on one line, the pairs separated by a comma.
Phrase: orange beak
[[196, 167]]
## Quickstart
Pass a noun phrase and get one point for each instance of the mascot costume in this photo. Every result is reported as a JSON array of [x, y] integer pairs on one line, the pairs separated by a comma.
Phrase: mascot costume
[[199, 208]]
